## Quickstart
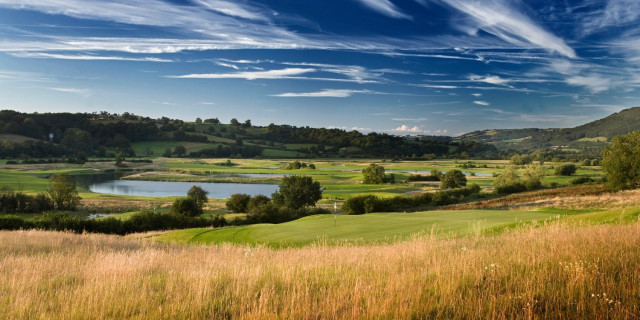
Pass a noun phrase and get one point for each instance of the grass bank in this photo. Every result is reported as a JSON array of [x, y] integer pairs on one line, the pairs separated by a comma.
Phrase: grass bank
[[555, 272]]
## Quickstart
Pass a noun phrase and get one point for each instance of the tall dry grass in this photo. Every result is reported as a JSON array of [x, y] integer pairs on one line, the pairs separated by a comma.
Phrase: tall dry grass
[[554, 272]]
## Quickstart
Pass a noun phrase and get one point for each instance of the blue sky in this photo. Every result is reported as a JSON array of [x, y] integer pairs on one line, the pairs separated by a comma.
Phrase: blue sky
[[443, 67]]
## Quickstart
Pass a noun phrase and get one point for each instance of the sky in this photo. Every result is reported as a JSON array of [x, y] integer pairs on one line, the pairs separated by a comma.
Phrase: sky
[[430, 67]]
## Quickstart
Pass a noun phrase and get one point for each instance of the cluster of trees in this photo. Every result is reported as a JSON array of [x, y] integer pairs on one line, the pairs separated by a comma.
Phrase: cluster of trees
[[375, 174], [371, 203], [220, 151], [19, 202], [453, 179], [61, 195], [295, 165], [104, 133], [372, 144], [510, 182], [295, 198], [192, 205]]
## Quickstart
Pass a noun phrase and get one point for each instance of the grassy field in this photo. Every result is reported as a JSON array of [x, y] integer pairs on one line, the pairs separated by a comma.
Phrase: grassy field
[[340, 178], [556, 271], [366, 229]]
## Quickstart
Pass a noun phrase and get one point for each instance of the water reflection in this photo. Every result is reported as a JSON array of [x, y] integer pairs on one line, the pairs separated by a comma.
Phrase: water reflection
[[165, 189]]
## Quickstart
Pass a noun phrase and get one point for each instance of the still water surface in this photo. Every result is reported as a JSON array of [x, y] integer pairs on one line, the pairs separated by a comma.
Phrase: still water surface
[[165, 188]]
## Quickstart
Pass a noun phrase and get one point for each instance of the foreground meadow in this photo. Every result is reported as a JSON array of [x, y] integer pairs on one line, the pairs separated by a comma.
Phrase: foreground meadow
[[555, 271]]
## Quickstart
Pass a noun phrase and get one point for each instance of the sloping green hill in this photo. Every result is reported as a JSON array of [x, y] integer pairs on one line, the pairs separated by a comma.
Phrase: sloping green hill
[[593, 135]]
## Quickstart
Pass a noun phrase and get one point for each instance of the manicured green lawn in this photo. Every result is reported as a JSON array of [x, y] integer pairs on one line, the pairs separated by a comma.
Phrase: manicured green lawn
[[368, 228]]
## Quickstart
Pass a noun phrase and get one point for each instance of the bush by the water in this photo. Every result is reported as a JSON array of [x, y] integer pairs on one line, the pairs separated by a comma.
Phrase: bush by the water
[[419, 177], [371, 203], [453, 179], [192, 204], [238, 202], [138, 222]]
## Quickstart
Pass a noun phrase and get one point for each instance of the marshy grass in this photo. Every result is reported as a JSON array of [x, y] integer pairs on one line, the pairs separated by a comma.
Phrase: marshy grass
[[556, 272]]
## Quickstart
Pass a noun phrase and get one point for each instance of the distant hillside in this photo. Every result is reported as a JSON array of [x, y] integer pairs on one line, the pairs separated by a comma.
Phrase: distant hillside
[[590, 137], [104, 135]]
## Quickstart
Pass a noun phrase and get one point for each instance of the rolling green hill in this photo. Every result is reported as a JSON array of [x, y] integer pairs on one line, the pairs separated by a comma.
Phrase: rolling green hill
[[588, 137], [104, 135]]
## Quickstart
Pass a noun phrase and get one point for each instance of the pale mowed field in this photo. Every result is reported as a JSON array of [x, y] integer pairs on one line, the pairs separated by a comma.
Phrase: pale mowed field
[[555, 272]]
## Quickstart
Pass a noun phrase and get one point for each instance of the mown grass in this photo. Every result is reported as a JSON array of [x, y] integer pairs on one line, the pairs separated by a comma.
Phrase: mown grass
[[157, 148], [366, 229], [553, 272]]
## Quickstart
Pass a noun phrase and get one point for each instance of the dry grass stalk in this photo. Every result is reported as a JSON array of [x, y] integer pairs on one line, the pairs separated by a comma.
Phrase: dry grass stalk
[[553, 272]]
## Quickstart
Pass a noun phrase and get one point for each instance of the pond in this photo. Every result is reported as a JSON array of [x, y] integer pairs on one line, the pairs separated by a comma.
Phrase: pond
[[165, 188]]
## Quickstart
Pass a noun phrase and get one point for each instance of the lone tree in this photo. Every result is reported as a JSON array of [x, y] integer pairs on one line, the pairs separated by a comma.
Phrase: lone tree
[[566, 170], [509, 181], [297, 192], [453, 179], [62, 190], [532, 176], [179, 151], [199, 195], [191, 205], [374, 174], [621, 161]]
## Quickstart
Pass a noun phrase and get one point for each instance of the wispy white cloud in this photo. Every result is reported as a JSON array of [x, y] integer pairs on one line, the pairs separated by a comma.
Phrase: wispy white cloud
[[477, 94], [327, 93], [500, 111], [482, 103], [435, 86], [249, 75], [43, 55], [616, 13], [489, 79], [387, 8], [228, 65], [208, 103], [356, 73], [595, 83], [501, 19], [24, 76], [82, 92], [231, 9]]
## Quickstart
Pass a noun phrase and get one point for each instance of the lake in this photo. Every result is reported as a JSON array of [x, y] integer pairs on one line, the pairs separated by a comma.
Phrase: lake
[[166, 188]]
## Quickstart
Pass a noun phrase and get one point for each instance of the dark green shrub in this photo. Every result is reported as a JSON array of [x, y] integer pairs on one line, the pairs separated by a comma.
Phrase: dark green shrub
[[256, 202], [359, 204], [419, 177], [186, 206], [238, 202], [566, 169], [453, 179]]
